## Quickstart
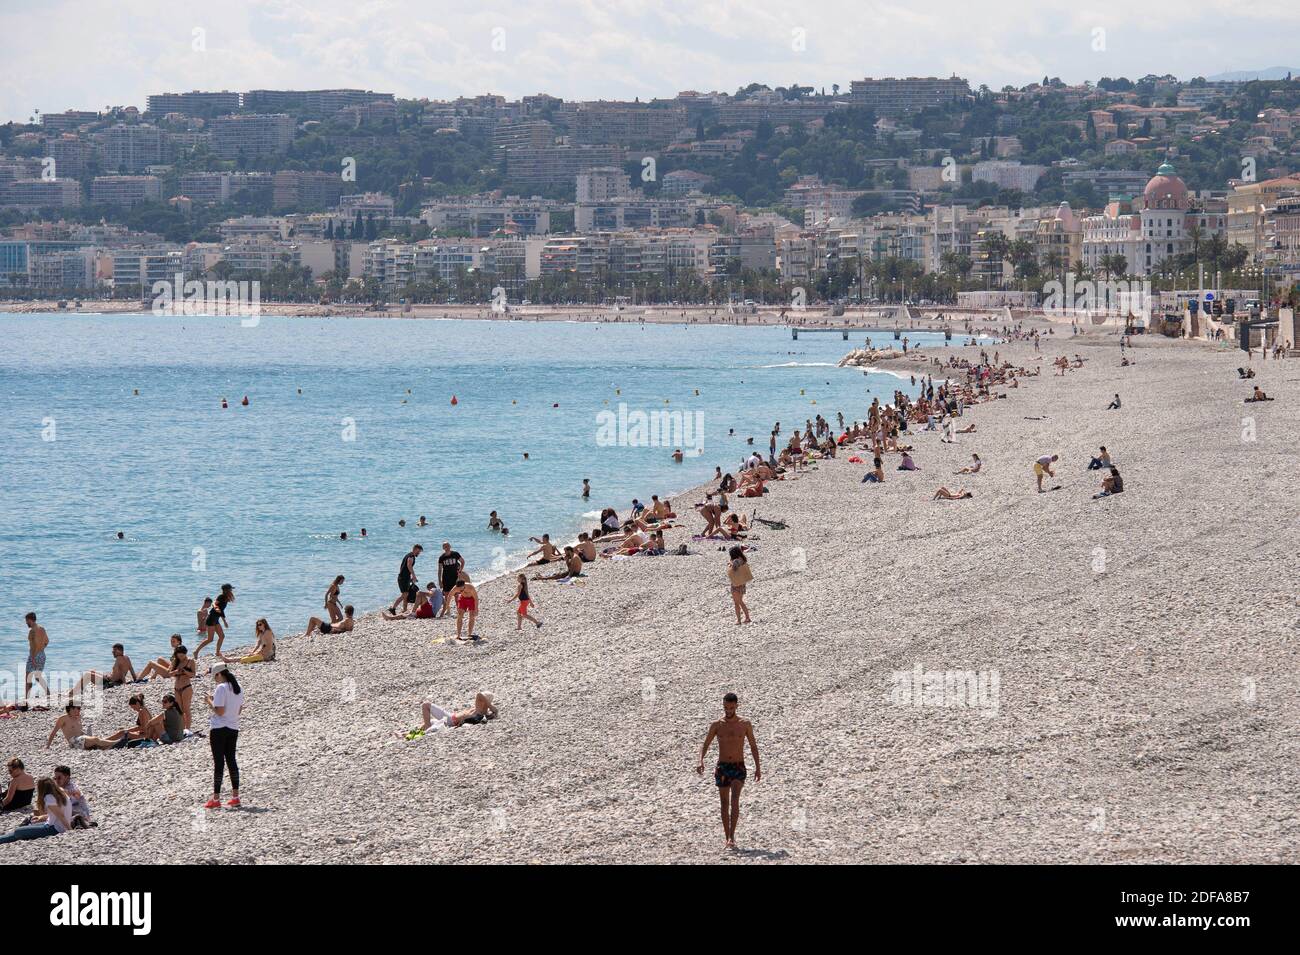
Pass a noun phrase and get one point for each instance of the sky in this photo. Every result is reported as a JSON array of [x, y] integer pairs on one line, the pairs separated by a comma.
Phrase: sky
[[77, 54]]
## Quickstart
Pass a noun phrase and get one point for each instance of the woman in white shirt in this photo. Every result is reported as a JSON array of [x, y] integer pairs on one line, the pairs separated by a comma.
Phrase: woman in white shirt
[[226, 702], [53, 814]]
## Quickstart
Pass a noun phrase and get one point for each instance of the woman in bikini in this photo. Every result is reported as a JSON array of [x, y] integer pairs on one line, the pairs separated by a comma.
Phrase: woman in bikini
[[182, 671], [332, 600], [525, 601]]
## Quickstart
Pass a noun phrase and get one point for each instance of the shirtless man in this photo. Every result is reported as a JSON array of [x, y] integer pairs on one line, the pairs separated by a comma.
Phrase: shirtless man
[[731, 733], [325, 627], [572, 567], [141, 730], [115, 677], [585, 547], [548, 552], [37, 641], [69, 724]]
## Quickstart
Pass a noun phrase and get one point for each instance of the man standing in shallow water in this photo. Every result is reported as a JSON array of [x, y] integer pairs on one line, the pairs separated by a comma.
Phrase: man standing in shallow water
[[729, 776]]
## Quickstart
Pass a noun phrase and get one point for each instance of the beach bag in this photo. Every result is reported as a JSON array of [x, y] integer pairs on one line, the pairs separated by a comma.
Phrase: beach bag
[[740, 575]]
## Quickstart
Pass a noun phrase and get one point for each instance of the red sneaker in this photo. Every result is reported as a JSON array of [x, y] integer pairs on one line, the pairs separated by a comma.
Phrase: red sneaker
[[212, 804], [234, 802]]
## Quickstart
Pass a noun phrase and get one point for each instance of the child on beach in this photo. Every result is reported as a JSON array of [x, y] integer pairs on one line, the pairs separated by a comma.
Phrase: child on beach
[[525, 601], [466, 596]]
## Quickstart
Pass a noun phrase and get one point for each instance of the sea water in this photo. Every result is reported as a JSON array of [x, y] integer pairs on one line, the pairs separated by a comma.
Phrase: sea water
[[115, 423]]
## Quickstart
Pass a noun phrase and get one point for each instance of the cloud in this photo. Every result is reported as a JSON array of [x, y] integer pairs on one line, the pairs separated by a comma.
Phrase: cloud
[[79, 54]]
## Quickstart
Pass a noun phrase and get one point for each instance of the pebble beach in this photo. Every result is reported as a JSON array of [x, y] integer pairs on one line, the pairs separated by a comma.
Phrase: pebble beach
[[1135, 658]]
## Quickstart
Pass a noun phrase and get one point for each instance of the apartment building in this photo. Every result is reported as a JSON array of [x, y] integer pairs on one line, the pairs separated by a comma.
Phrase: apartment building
[[557, 165], [306, 190], [602, 184], [626, 124], [214, 187], [1008, 175], [129, 148], [319, 103], [892, 97], [251, 134], [32, 195], [629, 212], [194, 103], [485, 215], [1248, 205], [68, 121], [125, 191]]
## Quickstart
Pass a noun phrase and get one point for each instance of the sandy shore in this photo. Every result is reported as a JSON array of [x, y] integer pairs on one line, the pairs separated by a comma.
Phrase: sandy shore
[[1142, 648]]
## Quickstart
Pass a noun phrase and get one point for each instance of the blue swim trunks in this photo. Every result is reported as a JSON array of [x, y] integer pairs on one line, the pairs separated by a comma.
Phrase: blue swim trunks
[[36, 662], [728, 773]]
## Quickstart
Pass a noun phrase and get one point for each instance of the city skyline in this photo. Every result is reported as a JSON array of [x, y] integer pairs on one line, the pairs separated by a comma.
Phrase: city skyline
[[631, 49]]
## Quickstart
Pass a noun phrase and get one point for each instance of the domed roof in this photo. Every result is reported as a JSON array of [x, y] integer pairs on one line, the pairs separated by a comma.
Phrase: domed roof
[[1166, 190]]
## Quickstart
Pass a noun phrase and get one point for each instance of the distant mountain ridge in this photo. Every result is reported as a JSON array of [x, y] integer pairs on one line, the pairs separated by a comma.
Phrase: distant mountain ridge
[[1242, 76]]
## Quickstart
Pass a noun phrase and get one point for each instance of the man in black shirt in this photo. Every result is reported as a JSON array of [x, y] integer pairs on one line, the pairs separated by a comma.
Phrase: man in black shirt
[[407, 584], [450, 564]]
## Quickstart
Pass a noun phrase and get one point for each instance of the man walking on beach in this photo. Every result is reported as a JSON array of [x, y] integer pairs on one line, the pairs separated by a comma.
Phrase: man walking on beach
[[729, 776], [37, 641]]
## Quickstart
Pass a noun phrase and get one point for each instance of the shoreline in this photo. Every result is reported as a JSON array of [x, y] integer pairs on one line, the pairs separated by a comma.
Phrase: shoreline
[[855, 319], [1120, 690]]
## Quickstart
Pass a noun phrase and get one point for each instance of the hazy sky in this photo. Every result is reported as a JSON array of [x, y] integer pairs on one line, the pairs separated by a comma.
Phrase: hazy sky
[[62, 54]]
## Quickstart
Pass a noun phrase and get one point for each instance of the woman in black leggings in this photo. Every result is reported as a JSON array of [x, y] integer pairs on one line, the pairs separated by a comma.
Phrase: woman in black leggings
[[226, 701]]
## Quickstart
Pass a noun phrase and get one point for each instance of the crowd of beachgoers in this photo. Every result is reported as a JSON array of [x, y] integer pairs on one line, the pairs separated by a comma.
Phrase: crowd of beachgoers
[[945, 388]]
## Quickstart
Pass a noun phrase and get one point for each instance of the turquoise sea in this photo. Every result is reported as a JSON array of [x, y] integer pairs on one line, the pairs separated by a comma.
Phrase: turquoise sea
[[114, 423]]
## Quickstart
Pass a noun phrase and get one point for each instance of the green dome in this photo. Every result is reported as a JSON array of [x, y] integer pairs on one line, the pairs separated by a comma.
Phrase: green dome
[[1166, 169]]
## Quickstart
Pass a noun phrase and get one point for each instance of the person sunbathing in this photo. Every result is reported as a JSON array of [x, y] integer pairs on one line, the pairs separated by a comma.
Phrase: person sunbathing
[[122, 668], [877, 473], [943, 494], [18, 795], [969, 429], [264, 649], [629, 545], [432, 716], [972, 468], [326, 628], [1259, 395], [907, 463], [572, 567], [161, 666], [546, 551], [755, 488], [585, 548], [735, 527]]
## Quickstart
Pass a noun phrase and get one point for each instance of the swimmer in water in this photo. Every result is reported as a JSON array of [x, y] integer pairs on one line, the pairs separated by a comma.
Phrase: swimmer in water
[[494, 522], [421, 522], [586, 487]]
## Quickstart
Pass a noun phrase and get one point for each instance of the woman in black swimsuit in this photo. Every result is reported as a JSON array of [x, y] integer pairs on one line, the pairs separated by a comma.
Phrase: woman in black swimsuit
[[216, 617]]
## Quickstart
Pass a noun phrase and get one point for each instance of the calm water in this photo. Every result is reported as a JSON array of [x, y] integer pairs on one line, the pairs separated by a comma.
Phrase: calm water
[[257, 496]]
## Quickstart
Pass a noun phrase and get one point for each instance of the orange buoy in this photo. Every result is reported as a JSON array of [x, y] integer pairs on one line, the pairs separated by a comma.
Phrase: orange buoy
[[454, 401]]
